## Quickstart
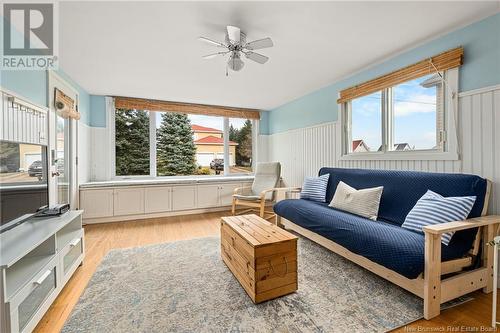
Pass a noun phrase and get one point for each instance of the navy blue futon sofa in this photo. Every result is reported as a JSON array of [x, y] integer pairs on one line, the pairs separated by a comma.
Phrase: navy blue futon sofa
[[384, 241]]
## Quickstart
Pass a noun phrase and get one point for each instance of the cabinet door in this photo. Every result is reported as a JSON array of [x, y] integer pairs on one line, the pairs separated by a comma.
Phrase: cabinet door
[[157, 199], [96, 203], [183, 197], [129, 201], [226, 193], [208, 196]]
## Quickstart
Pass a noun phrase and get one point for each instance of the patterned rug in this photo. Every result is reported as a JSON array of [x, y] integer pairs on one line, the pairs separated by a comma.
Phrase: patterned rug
[[185, 287]]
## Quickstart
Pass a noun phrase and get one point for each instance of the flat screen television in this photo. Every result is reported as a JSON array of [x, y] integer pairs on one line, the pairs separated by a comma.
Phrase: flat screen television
[[23, 181]]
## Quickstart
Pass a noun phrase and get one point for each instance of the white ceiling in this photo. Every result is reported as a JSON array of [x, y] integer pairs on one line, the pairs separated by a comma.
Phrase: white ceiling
[[150, 49]]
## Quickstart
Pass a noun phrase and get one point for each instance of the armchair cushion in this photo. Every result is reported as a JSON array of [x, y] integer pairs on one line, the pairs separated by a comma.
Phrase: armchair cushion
[[267, 176], [247, 197]]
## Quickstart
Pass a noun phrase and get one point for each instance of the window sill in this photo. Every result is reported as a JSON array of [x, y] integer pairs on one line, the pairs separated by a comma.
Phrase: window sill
[[181, 180], [402, 156]]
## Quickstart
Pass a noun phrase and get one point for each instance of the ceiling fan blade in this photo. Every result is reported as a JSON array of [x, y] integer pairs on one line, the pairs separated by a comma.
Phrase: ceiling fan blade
[[261, 59], [213, 55], [259, 44], [213, 42], [234, 34]]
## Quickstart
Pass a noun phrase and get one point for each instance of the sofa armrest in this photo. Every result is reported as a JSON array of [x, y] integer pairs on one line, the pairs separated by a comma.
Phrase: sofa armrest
[[438, 229]]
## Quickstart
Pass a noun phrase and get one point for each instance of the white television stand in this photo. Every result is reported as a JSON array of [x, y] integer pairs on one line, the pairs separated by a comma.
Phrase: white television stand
[[37, 258]]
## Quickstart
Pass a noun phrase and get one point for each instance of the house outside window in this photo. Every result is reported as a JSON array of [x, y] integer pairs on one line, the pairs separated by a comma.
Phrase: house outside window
[[210, 147]]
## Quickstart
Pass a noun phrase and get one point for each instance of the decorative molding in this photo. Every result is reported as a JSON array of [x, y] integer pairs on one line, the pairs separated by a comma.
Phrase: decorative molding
[[479, 91]]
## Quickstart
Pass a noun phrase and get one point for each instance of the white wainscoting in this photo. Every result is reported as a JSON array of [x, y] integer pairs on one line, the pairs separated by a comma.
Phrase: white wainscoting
[[302, 152], [100, 152], [83, 152]]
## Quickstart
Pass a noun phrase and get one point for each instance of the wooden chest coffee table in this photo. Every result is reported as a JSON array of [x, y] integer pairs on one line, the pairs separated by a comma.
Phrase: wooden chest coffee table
[[262, 256]]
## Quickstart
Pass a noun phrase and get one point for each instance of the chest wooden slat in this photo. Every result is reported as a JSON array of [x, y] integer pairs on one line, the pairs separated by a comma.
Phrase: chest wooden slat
[[262, 256]]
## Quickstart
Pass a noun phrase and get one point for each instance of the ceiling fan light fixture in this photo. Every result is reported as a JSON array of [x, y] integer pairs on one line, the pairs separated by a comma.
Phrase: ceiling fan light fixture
[[235, 63], [236, 44]]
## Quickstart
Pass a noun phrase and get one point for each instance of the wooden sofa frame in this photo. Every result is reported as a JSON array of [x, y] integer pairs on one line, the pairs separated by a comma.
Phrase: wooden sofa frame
[[432, 285]]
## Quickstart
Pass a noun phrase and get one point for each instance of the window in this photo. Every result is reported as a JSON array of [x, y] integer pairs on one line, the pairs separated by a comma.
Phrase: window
[[406, 117], [240, 145], [177, 144], [418, 114], [22, 164], [131, 142], [366, 123], [189, 144]]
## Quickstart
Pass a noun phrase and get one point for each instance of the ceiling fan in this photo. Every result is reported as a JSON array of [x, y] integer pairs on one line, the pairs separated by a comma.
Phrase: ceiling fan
[[236, 45]]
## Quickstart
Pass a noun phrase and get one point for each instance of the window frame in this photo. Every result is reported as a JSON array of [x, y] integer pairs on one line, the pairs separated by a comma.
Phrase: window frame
[[152, 149], [448, 149]]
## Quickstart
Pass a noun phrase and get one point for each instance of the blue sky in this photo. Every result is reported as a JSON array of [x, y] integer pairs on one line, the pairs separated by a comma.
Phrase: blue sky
[[414, 116]]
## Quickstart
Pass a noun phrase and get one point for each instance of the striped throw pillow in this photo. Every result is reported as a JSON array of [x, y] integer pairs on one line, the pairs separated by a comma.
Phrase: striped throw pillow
[[314, 188], [433, 208]]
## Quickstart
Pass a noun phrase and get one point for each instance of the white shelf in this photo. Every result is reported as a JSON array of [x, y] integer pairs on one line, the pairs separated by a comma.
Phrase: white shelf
[[19, 241], [27, 251], [182, 180], [63, 238], [23, 271]]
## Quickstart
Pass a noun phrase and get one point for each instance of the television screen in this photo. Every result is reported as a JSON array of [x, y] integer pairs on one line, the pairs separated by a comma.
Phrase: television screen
[[23, 179]]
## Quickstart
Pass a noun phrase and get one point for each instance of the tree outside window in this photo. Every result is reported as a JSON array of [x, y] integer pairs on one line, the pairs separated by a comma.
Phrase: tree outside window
[[131, 142]]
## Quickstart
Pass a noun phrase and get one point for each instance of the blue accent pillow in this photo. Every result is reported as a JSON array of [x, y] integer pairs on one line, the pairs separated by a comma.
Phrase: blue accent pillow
[[314, 188], [433, 208]]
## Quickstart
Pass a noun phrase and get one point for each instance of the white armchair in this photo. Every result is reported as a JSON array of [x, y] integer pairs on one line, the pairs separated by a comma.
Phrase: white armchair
[[263, 191]]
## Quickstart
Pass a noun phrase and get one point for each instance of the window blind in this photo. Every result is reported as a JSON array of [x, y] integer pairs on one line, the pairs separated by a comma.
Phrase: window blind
[[189, 108], [65, 105], [443, 61]]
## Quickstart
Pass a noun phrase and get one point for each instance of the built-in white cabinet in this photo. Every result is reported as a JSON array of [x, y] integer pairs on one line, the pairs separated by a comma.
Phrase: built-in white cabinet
[[226, 193], [208, 196], [183, 197], [216, 195], [129, 201], [98, 203], [157, 199], [140, 201]]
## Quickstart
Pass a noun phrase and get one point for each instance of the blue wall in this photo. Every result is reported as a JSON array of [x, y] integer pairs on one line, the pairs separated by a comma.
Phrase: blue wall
[[481, 42], [33, 85], [97, 111]]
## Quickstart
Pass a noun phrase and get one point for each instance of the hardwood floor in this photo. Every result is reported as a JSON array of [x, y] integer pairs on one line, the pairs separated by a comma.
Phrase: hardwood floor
[[101, 238]]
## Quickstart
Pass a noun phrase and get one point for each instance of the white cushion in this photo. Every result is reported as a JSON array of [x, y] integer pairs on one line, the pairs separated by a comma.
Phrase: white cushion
[[364, 202]]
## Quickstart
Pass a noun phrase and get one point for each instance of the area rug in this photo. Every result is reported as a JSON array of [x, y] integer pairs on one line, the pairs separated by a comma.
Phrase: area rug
[[185, 287]]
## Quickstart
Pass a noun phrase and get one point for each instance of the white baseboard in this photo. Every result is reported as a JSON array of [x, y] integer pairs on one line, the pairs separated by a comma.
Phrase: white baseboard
[[154, 215]]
